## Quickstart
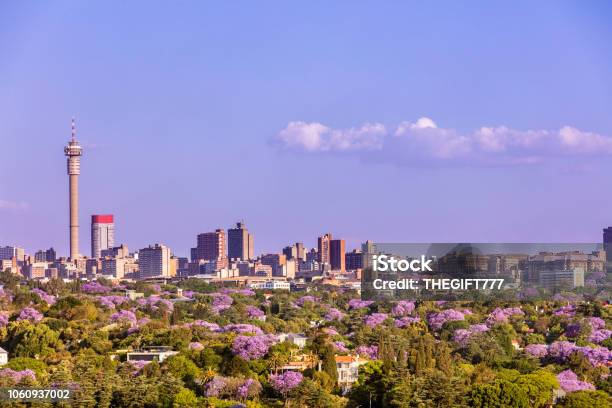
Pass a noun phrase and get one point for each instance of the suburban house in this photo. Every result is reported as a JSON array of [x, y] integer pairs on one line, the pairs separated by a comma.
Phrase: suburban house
[[299, 362], [348, 370], [3, 356], [158, 353], [297, 339]]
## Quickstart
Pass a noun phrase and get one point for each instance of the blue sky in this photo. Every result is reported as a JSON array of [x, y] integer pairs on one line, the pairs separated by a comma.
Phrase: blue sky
[[181, 109]]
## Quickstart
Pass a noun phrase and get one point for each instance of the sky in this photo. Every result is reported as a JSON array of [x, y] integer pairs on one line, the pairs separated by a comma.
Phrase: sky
[[407, 121]]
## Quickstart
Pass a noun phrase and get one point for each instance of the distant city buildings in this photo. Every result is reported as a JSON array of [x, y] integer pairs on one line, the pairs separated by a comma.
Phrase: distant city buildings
[[240, 243], [275, 261], [295, 251], [154, 261], [564, 261], [102, 234], [120, 251], [337, 252], [35, 270], [607, 246], [119, 268], [312, 255], [12, 252], [570, 279], [323, 246], [48, 255], [368, 249], [354, 260], [211, 246]]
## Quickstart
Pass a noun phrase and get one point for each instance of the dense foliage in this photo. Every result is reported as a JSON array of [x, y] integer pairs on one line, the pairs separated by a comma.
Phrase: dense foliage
[[231, 348]]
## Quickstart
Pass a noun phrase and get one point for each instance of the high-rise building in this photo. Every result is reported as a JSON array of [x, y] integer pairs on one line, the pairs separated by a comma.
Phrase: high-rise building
[[323, 247], [240, 243], [275, 261], [154, 261], [35, 270], [121, 251], [73, 152], [211, 247], [102, 234], [354, 260], [607, 246], [368, 250], [93, 266], [45, 256], [290, 252], [312, 255], [301, 251], [337, 254], [10, 252], [295, 251]]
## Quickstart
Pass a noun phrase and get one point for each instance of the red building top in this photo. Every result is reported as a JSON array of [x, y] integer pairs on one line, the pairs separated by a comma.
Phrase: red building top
[[102, 219]]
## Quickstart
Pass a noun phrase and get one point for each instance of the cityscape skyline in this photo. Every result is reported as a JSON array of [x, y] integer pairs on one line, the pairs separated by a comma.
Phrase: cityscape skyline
[[292, 128]]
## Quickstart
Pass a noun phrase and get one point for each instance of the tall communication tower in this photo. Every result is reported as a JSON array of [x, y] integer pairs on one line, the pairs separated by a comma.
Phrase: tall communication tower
[[73, 152]]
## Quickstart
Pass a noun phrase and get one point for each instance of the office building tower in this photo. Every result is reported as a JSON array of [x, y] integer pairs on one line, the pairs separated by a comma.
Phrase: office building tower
[[290, 268], [154, 261], [368, 250], [323, 247], [559, 279], [120, 251], [275, 261], [607, 246], [102, 234], [45, 256], [290, 252], [210, 246], [10, 252], [240, 243], [337, 254], [73, 152], [295, 251], [301, 251], [312, 255], [354, 260], [36, 270]]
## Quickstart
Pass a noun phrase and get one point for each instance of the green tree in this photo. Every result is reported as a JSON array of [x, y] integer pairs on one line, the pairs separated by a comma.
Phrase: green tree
[[328, 364], [586, 399], [371, 386], [182, 367], [498, 394], [9, 280], [309, 394], [185, 398], [24, 363], [434, 389], [538, 387], [32, 340]]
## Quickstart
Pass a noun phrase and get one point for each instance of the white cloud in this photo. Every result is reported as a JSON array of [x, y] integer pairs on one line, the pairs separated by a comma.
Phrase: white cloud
[[13, 205], [307, 136], [581, 142], [421, 123], [315, 137], [424, 141]]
